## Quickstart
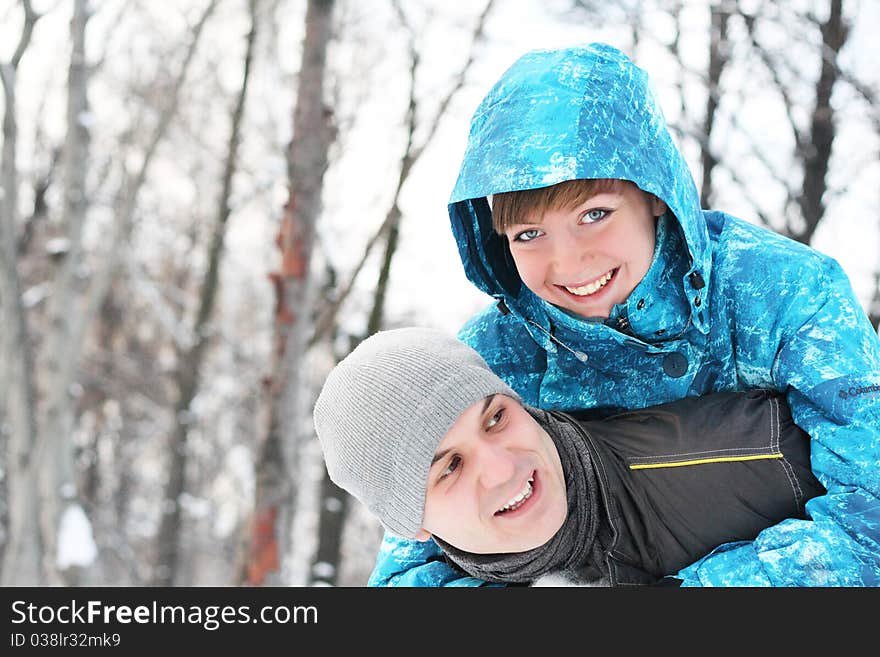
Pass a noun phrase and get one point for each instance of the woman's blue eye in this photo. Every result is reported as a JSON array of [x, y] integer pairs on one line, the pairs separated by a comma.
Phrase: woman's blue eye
[[527, 235], [451, 467], [592, 216]]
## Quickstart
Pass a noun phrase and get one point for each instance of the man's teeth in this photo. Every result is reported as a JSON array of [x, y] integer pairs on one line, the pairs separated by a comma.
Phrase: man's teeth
[[518, 500], [590, 288]]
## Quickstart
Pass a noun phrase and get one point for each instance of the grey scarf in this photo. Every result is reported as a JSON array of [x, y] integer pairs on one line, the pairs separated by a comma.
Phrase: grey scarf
[[576, 548]]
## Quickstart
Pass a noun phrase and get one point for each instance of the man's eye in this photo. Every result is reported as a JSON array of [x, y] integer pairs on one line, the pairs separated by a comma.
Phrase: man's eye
[[527, 235], [451, 467], [592, 216], [495, 419]]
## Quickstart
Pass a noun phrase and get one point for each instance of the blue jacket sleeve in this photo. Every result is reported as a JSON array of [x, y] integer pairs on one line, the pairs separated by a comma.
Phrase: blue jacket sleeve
[[828, 362], [415, 563]]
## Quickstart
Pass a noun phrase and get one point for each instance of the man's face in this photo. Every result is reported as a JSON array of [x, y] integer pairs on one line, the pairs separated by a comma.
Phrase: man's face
[[588, 258], [496, 484]]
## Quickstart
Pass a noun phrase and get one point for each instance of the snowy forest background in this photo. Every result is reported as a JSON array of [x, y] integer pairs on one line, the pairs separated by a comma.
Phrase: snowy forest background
[[205, 204]]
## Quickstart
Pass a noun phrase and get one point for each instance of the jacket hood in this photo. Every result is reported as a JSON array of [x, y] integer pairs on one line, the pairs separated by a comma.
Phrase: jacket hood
[[556, 115]]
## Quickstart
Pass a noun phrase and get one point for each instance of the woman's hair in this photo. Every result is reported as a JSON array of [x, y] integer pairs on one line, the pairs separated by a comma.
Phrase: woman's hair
[[529, 205]]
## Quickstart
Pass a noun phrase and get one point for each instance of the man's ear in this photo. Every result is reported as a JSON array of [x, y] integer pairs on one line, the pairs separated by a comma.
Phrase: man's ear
[[423, 535]]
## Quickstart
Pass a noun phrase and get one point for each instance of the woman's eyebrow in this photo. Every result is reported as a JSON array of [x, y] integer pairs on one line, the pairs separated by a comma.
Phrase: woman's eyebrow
[[609, 195]]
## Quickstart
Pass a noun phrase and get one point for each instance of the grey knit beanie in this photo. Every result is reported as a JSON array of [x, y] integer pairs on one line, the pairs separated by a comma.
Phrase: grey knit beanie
[[385, 408]]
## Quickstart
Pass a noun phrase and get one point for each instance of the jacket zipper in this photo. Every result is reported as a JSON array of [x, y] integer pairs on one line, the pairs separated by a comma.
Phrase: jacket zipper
[[717, 459], [599, 468]]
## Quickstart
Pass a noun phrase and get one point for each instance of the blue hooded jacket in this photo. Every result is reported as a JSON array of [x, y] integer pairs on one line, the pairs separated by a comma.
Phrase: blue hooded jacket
[[725, 305]]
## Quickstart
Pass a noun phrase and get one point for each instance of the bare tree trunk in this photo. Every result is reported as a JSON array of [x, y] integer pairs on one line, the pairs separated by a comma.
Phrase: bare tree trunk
[[335, 501], [327, 318], [268, 538], [335, 505], [822, 131], [109, 479], [188, 374], [74, 332], [68, 321], [717, 60], [93, 399], [23, 549], [57, 487], [131, 185]]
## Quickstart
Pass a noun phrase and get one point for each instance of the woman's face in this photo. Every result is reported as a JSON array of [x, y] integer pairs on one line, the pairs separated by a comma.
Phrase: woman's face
[[588, 258]]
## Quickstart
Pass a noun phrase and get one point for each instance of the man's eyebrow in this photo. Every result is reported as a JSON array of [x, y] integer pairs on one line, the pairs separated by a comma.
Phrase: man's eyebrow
[[443, 452], [439, 455]]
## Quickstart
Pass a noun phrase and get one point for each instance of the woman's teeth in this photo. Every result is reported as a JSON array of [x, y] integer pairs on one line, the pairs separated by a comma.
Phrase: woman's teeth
[[591, 288], [518, 500]]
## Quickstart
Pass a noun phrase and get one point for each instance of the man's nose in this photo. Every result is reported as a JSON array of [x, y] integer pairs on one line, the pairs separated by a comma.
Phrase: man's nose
[[495, 464]]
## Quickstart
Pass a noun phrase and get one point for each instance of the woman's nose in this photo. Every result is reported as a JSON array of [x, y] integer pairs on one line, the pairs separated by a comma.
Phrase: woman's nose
[[568, 254]]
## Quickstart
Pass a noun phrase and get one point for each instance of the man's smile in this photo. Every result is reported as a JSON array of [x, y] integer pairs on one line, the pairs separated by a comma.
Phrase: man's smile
[[522, 501], [517, 500]]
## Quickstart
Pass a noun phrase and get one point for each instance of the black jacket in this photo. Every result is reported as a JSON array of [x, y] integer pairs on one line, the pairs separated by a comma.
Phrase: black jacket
[[679, 479]]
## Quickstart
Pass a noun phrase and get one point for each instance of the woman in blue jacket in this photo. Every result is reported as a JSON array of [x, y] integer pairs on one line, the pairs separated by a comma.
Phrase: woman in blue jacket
[[721, 305]]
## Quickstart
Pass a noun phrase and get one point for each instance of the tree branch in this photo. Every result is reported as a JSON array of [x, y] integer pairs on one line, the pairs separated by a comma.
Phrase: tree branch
[[131, 187], [411, 154]]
